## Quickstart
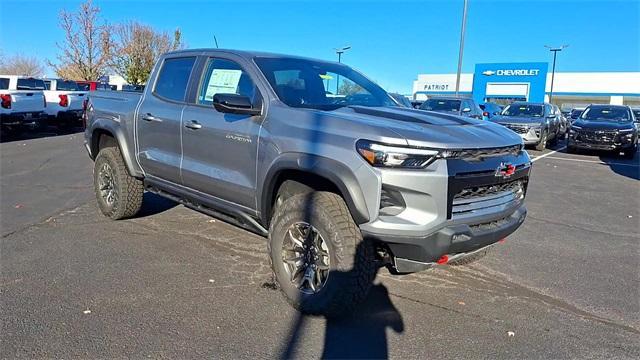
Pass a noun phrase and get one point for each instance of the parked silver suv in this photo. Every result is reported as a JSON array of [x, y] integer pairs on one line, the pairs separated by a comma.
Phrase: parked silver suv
[[315, 156]]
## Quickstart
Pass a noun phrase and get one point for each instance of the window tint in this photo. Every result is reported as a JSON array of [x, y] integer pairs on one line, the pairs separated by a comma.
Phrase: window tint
[[84, 87], [441, 105], [4, 83], [30, 84], [224, 77], [67, 85], [47, 84], [174, 77]]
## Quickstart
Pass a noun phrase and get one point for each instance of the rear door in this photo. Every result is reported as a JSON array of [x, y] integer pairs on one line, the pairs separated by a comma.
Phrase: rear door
[[219, 149], [159, 117], [28, 96]]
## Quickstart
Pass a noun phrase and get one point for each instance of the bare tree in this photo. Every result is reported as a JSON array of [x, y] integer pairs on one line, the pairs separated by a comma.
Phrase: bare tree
[[21, 65], [80, 55], [134, 49]]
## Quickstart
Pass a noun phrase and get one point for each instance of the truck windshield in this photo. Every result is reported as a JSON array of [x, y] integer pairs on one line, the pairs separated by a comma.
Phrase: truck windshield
[[67, 85], [606, 113], [441, 105], [524, 110], [320, 85]]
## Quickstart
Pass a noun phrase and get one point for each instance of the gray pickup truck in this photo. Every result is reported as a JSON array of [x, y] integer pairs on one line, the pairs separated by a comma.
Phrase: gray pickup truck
[[316, 157]]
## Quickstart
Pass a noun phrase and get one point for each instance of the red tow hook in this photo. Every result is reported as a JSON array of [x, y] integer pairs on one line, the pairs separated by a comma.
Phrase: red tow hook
[[443, 260]]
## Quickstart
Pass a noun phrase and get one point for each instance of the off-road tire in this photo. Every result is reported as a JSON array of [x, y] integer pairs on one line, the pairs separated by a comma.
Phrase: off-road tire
[[352, 262], [543, 141], [469, 259], [572, 150], [129, 189]]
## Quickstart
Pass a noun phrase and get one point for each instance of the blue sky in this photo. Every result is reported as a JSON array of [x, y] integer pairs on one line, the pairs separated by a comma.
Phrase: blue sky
[[392, 41]]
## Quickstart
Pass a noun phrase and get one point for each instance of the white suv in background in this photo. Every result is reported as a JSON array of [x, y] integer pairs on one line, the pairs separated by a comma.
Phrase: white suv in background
[[22, 102], [64, 102]]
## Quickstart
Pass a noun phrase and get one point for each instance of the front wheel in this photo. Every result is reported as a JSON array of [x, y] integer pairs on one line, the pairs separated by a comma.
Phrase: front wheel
[[319, 259], [543, 141], [630, 153], [119, 194]]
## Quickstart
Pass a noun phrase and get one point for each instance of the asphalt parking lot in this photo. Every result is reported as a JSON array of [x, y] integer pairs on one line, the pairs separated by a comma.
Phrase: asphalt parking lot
[[175, 283]]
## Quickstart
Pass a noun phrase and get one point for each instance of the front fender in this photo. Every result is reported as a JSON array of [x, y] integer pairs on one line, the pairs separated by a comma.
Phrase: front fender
[[340, 175]]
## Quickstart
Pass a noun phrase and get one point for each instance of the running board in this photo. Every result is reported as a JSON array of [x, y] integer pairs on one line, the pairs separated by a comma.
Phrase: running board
[[221, 211]]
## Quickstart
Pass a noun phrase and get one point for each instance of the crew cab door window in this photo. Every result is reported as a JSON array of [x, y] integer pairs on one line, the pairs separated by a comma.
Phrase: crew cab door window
[[4, 84], [224, 77], [173, 78]]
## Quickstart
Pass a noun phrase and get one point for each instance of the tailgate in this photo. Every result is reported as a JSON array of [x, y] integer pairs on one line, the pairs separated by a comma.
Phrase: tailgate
[[76, 99], [27, 101]]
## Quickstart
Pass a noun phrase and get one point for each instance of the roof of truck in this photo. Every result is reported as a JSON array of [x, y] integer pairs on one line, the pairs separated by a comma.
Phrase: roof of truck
[[244, 53]]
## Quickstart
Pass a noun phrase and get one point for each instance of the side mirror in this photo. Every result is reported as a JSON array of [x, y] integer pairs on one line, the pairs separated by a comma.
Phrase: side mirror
[[234, 104], [466, 110]]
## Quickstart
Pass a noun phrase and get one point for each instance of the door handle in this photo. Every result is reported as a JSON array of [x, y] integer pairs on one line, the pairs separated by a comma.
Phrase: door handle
[[149, 117], [194, 125]]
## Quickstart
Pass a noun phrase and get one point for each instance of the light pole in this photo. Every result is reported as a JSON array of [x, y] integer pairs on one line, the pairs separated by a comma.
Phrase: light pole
[[553, 68], [340, 51], [462, 31]]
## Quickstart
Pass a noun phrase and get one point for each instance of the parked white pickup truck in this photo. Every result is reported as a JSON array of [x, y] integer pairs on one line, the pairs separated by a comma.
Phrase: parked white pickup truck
[[22, 102], [64, 102]]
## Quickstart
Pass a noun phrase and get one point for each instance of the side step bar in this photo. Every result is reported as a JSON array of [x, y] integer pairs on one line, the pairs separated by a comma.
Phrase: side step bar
[[218, 210]]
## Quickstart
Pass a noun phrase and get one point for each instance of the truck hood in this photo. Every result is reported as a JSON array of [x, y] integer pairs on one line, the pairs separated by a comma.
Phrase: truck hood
[[431, 129], [603, 125], [517, 120]]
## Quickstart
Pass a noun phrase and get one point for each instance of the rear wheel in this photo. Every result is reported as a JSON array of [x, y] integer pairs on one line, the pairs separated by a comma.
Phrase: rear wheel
[[119, 194], [318, 256]]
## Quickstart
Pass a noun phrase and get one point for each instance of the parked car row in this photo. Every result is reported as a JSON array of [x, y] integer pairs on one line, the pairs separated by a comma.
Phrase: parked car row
[[29, 103], [597, 127]]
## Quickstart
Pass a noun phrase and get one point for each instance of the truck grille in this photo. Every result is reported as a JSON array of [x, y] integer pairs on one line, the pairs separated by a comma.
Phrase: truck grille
[[598, 136], [479, 154], [518, 128], [474, 201]]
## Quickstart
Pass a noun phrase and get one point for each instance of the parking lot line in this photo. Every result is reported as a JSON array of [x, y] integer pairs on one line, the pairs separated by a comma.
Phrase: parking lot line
[[547, 154], [593, 161]]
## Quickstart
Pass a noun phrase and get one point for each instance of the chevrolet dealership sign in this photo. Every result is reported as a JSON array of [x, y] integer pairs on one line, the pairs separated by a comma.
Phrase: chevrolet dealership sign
[[512, 72]]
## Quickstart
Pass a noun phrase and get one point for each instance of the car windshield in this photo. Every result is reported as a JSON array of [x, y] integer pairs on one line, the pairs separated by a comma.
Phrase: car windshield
[[67, 85], [441, 105], [524, 110], [320, 85], [606, 113]]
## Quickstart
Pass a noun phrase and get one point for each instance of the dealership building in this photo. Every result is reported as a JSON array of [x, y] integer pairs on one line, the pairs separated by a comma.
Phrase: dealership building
[[507, 82]]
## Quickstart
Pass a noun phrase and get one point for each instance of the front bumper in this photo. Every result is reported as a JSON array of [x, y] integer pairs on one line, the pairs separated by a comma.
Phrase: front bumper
[[530, 134], [600, 146], [452, 207], [417, 253]]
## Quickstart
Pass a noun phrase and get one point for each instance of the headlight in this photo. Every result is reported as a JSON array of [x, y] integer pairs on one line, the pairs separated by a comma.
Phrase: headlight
[[395, 156]]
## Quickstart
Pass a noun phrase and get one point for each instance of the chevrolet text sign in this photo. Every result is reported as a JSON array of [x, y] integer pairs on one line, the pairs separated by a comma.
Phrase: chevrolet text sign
[[512, 72], [508, 77]]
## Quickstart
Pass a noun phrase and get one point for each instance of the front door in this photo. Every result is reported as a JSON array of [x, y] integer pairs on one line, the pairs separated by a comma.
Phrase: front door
[[219, 149], [159, 119]]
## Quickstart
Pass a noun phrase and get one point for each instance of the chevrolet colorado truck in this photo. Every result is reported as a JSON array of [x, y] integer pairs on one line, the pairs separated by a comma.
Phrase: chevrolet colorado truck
[[316, 157], [22, 103]]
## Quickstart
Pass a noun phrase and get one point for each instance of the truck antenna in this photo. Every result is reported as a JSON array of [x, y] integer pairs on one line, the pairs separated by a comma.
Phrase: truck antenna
[[216, 41]]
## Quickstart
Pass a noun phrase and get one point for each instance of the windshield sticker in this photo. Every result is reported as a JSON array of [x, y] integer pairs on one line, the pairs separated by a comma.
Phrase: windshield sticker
[[222, 81]]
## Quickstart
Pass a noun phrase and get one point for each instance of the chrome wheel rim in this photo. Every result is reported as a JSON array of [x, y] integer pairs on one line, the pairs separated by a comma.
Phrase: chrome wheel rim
[[305, 256], [106, 185]]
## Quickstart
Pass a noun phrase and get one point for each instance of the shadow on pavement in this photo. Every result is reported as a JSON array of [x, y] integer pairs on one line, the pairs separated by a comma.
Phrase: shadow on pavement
[[10, 136], [623, 166], [360, 335], [153, 204]]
